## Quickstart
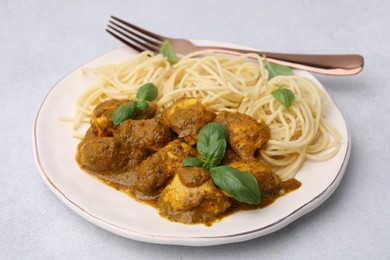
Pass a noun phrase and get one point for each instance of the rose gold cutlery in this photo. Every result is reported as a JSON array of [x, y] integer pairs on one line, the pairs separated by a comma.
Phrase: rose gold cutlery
[[141, 40]]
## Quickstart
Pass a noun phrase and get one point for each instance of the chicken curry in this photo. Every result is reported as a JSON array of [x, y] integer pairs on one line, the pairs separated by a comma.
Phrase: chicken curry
[[143, 157]]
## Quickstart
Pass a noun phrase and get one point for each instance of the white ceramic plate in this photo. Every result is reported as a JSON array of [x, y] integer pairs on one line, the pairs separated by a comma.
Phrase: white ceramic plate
[[54, 150]]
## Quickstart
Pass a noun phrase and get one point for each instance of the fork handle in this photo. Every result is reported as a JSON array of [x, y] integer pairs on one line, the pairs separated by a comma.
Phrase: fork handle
[[339, 64]]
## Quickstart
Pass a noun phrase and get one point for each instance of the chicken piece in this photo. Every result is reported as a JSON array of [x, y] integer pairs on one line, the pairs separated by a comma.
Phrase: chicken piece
[[230, 156], [101, 155], [267, 180], [145, 134], [246, 135], [90, 134], [107, 158], [193, 176], [191, 205], [101, 121], [158, 169], [186, 117], [127, 176]]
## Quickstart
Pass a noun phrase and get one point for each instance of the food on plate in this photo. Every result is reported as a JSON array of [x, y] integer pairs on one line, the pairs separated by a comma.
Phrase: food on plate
[[246, 135], [178, 134], [186, 118], [201, 204], [156, 160]]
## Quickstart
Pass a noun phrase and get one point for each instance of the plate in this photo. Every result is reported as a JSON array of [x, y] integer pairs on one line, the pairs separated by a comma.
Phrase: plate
[[54, 151]]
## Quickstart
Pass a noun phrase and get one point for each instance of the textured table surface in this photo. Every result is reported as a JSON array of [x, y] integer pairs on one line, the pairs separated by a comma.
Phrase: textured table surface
[[41, 41]]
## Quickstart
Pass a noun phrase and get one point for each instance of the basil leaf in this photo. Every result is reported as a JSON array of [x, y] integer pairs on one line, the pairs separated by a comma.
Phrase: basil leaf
[[132, 104], [194, 162], [168, 52], [209, 134], [122, 113], [147, 92], [241, 186], [285, 96], [142, 105], [277, 69], [216, 153]]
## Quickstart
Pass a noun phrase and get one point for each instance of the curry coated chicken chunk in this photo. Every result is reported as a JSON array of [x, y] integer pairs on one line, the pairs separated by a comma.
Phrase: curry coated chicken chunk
[[144, 134], [192, 204], [102, 155], [246, 135], [101, 121], [267, 180], [186, 117], [159, 168], [193, 176]]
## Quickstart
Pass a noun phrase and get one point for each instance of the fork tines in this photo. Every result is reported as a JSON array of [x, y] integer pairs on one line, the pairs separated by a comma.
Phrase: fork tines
[[134, 36]]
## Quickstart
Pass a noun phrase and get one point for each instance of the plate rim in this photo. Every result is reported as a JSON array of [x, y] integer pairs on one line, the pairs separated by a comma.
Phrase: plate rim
[[186, 240]]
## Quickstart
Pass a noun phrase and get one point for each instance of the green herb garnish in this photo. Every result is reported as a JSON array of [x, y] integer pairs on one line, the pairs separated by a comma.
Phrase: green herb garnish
[[147, 92], [277, 69], [240, 185], [211, 145], [168, 52], [285, 96], [194, 162], [142, 105]]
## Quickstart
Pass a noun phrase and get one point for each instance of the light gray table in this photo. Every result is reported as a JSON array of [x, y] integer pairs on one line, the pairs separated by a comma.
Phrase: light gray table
[[41, 41]]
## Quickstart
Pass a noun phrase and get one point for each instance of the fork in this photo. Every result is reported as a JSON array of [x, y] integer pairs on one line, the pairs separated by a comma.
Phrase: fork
[[142, 40]]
